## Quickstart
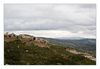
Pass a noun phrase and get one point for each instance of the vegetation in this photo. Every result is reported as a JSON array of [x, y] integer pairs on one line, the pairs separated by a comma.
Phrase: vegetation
[[17, 53], [83, 45]]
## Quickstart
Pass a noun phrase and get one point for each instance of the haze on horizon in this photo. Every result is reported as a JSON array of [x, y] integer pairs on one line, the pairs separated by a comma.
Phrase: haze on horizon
[[51, 20]]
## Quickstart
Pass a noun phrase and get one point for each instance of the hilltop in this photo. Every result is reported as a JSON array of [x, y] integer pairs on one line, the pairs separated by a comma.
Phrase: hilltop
[[25, 49], [26, 39]]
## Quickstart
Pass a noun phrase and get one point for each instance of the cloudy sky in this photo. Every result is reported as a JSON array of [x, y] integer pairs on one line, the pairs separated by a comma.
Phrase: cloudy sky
[[51, 20]]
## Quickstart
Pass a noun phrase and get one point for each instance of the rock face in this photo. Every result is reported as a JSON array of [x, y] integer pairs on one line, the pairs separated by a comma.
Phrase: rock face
[[26, 39], [82, 53], [9, 37]]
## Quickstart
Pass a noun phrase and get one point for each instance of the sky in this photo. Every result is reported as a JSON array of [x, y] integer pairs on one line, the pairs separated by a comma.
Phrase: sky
[[51, 20]]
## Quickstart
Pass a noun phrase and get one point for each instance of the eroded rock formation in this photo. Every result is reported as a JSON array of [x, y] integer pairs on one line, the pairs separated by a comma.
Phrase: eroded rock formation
[[26, 39]]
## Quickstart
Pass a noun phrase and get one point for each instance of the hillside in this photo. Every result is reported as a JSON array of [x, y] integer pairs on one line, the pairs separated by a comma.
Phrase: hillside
[[19, 51], [83, 44]]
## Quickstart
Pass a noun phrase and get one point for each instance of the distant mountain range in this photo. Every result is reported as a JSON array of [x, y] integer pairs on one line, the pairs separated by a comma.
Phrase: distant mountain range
[[70, 38], [25, 49], [79, 43]]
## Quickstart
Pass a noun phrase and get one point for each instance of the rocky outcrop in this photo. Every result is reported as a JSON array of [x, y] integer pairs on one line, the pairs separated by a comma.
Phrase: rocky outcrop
[[9, 37], [87, 55], [26, 39]]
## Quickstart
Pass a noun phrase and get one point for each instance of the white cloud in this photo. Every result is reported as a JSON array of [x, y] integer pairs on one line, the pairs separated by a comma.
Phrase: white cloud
[[53, 33], [74, 18]]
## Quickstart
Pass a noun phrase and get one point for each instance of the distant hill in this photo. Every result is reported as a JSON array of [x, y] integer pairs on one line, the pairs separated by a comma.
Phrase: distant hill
[[82, 44], [70, 38], [27, 50]]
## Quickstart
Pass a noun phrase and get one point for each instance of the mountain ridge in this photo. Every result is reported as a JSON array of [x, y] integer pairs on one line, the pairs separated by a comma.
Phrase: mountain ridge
[[21, 51]]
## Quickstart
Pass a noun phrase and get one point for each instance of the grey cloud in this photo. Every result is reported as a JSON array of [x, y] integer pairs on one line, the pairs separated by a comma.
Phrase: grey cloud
[[88, 6], [71, 17]]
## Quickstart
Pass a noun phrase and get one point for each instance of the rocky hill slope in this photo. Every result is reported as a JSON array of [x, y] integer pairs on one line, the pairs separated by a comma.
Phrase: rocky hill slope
[[29, 50], [26, 39]]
